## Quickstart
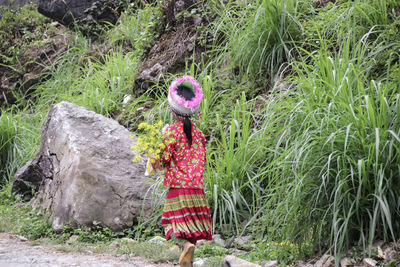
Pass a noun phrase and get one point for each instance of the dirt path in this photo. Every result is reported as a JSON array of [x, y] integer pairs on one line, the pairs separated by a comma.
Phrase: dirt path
[[17, 253]]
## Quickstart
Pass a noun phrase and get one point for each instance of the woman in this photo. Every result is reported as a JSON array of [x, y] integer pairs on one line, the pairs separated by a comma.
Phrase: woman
[[186, 216]]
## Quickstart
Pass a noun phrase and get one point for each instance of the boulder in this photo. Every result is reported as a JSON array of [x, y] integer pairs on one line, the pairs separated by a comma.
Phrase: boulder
[[85, 163], [69, 11]]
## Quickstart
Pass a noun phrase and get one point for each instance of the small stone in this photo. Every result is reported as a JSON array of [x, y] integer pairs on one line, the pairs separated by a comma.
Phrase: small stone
[[115, 244], [344, 262], [232, 261], [139, 111], [390, 254], [271, 263], [303, 264], [197, 20], [128, 240], [326, 261], [368, 262], [201, 243], [72, 239], [217, 239], [243, 240], [127, 100], [199, 263], [381, 255], [377, 244], [19, 205], [22, 238], [157, 240], [175, 250]]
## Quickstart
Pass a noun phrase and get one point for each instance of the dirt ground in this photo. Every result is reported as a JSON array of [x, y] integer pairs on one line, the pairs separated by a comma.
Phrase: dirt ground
[[14, 252]]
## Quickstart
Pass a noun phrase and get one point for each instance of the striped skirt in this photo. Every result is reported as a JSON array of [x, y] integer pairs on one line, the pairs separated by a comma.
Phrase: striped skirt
[[186, 215]]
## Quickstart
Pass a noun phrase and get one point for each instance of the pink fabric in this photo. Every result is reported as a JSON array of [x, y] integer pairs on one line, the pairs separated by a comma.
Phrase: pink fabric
[[195, 101]]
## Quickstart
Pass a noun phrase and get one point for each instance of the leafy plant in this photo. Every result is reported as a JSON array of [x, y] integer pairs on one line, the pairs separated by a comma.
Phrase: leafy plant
[[94, 233], [286, 253]]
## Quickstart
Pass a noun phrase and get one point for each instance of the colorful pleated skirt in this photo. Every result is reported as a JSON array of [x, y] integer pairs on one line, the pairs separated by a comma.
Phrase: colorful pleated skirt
[[186, 215]]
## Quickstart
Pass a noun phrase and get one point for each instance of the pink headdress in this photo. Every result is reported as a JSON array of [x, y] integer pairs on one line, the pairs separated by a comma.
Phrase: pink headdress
[[180, 104]]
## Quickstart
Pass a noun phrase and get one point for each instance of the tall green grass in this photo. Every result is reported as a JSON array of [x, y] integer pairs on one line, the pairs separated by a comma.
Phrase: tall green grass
[[19, 141], [89, 82], [339, 21], [263, 43], [7, 137], [336, 162]]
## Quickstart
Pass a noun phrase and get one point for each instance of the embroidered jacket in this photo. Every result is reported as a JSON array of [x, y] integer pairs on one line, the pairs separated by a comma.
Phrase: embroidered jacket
[[184, 165]]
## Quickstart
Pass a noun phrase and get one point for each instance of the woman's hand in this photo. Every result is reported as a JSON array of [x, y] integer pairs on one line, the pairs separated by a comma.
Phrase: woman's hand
[[155, 163]]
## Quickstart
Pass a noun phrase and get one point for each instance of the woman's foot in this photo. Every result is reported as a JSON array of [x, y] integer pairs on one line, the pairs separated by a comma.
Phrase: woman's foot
[[186, 258]]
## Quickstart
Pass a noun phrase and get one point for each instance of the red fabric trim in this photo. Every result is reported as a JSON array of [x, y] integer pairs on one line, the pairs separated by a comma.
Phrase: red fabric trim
[[176, 192]]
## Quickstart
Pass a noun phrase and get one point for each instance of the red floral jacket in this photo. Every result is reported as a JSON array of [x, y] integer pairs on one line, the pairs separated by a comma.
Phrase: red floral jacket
[[184, 165]]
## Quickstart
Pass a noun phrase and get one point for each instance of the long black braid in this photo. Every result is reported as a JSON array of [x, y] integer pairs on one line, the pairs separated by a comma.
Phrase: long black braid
[[188, 94]]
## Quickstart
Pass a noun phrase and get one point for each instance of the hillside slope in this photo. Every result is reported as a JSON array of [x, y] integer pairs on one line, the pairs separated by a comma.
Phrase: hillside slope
[[301, 110]]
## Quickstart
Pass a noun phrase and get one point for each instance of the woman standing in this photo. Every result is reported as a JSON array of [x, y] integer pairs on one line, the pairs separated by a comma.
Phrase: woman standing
[[186, 216]]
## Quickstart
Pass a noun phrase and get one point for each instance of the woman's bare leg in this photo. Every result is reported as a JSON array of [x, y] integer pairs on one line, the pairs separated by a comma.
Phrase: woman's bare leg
[[186, 258]]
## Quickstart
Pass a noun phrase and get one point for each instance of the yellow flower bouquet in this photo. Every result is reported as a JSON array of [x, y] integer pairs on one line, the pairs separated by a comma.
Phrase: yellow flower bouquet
[[150, 144]]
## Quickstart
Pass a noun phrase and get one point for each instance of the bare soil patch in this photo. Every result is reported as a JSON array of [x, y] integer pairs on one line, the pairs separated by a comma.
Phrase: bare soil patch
[[17, 252]]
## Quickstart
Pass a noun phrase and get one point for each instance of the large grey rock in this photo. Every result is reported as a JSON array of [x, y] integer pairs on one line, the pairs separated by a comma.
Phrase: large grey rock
[[85, 161], [81, 11]]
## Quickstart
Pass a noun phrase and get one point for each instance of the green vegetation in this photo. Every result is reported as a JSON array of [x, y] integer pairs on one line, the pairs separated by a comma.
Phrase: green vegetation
[[7, 136], [307, 152], [23, 26], [339, 158]]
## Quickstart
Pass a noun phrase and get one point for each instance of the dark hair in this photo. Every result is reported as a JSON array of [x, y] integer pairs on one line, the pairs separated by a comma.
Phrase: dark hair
[[185, 92], [188, 94]]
